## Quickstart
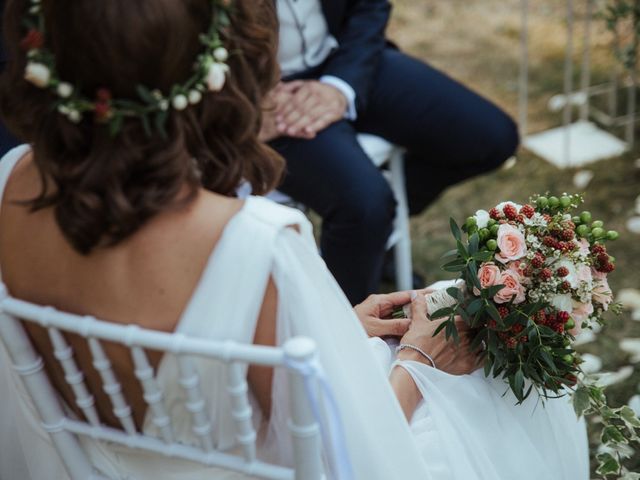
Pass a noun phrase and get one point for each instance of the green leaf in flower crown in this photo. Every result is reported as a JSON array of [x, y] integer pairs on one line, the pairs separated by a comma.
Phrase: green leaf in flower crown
[[455, 230], [581, 402], [145, 94], [160, 121], [607, 464]]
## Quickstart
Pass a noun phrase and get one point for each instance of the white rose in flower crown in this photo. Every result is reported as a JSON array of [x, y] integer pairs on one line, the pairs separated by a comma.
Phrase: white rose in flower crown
[[38, 74], [482, 218], [217, 76], [511, 243]]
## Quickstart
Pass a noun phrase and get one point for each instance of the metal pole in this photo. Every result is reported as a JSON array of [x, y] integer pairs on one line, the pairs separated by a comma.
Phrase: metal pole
[[585, 79], [568, 84], [523, 87]]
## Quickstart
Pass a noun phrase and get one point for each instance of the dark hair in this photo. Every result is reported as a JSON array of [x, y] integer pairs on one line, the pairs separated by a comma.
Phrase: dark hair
[[104, 188]]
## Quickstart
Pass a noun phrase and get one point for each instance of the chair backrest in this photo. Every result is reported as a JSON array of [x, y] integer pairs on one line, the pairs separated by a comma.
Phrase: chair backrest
[[64, 430]]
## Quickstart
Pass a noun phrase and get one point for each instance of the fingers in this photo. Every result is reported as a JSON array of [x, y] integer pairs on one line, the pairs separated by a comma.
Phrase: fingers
[[418, 307], [396, 328], [289, 87]]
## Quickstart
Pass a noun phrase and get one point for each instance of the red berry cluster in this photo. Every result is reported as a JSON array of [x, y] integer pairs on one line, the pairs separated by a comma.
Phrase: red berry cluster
[[545, 274], [510, 211], [503, 311], [603, 262], [495, 214], [528, 211], [562, 272], [32, 40], [538, 260], [103, 104]]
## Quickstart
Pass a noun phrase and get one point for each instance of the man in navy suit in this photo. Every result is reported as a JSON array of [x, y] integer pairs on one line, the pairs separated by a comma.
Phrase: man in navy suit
[[6, 140], [341, 76]]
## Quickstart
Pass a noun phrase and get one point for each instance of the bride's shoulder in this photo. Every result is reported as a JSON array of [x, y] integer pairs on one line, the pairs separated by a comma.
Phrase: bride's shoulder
[[274, 215]]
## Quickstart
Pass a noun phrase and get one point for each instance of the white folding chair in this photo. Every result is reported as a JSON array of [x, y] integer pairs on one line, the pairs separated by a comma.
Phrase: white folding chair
[[298, 355], [384, 154]]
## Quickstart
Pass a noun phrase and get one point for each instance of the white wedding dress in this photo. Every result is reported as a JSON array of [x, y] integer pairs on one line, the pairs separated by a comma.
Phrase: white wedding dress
[[466, 429]]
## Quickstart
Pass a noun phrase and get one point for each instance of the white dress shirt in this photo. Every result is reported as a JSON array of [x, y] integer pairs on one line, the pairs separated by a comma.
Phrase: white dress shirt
[[305, 42]]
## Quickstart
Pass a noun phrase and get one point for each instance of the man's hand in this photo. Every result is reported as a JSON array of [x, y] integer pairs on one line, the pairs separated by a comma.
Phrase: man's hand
[[275, 100], [375, 314], [310, 108]]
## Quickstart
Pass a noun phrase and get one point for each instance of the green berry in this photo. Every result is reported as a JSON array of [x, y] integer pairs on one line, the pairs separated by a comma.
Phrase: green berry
[[492, 245], [484, 234], [491, 223], [612, 235], [597, 232], [554, 202], [494, 230], [542, 202], [569, 325], [612, 259], [568, 358], [597, 224], [576, 220], [582, 230], [565, 201], [585, 217]]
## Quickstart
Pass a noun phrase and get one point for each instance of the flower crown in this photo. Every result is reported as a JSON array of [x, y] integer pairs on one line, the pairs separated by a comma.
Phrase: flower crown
[[152, 107]]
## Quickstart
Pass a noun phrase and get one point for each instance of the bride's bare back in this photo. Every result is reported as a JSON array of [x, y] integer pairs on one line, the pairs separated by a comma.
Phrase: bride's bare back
[[146, 280]]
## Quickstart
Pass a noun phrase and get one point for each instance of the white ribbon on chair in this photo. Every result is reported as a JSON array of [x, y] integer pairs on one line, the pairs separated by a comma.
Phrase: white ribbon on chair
[[331, 427]]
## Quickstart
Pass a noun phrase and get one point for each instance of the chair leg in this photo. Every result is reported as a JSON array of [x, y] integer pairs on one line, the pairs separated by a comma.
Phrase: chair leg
[[402, 249]]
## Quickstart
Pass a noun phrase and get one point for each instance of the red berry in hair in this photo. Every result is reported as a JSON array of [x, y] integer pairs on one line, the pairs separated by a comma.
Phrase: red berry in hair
[[103, 95], [607, 267], [102, 111], [563, 317], [572, 379], [598, 249], [559, 327], [495, 213], [32, 40], [511, 342], [562, 272], [503, 311], [517, 328], [547, 217], [545, 273], [510, 211], [565, 286], [528, 211], [603, 258]]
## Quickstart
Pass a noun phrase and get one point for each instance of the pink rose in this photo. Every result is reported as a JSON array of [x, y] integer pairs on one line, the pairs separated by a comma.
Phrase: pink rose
[[580, 313], [511, 243], [584, 274], [584, 247], [512, 288], [602, 293], [489, 275]]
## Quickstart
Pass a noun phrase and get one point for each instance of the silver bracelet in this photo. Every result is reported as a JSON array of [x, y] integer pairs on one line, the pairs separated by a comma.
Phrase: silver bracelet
[[402, 346]]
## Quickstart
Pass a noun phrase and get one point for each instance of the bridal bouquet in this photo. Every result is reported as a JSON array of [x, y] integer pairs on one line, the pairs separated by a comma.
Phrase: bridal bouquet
[[532, 277]]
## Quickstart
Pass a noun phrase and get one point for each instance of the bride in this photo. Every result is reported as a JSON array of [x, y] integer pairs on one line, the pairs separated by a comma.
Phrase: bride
[[122, 207]]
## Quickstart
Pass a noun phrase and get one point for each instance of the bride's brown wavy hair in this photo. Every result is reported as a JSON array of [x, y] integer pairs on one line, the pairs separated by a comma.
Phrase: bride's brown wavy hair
[[104, 188]]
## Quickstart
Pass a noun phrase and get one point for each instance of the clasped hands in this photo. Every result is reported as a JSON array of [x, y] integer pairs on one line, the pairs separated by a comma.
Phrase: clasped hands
[[301, 109], [375, 315]]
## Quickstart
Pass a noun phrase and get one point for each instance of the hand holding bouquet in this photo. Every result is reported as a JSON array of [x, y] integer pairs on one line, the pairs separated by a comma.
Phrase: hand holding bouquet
[[531, 278]]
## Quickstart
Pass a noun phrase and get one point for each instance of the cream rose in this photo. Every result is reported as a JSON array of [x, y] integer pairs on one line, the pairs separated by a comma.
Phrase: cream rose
[[511, 243], [512, 288], [38, 74], [482, 218], [217, 76]]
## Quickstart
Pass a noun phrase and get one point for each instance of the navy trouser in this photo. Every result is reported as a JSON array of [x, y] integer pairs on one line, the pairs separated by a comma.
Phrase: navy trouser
[[450, 134]]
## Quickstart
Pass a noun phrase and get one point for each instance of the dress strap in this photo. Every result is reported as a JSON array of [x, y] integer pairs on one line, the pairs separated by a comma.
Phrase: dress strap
[[8, 163]]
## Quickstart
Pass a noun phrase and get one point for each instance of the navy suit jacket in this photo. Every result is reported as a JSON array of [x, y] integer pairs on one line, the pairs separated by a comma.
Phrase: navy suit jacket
[[359, 26]]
